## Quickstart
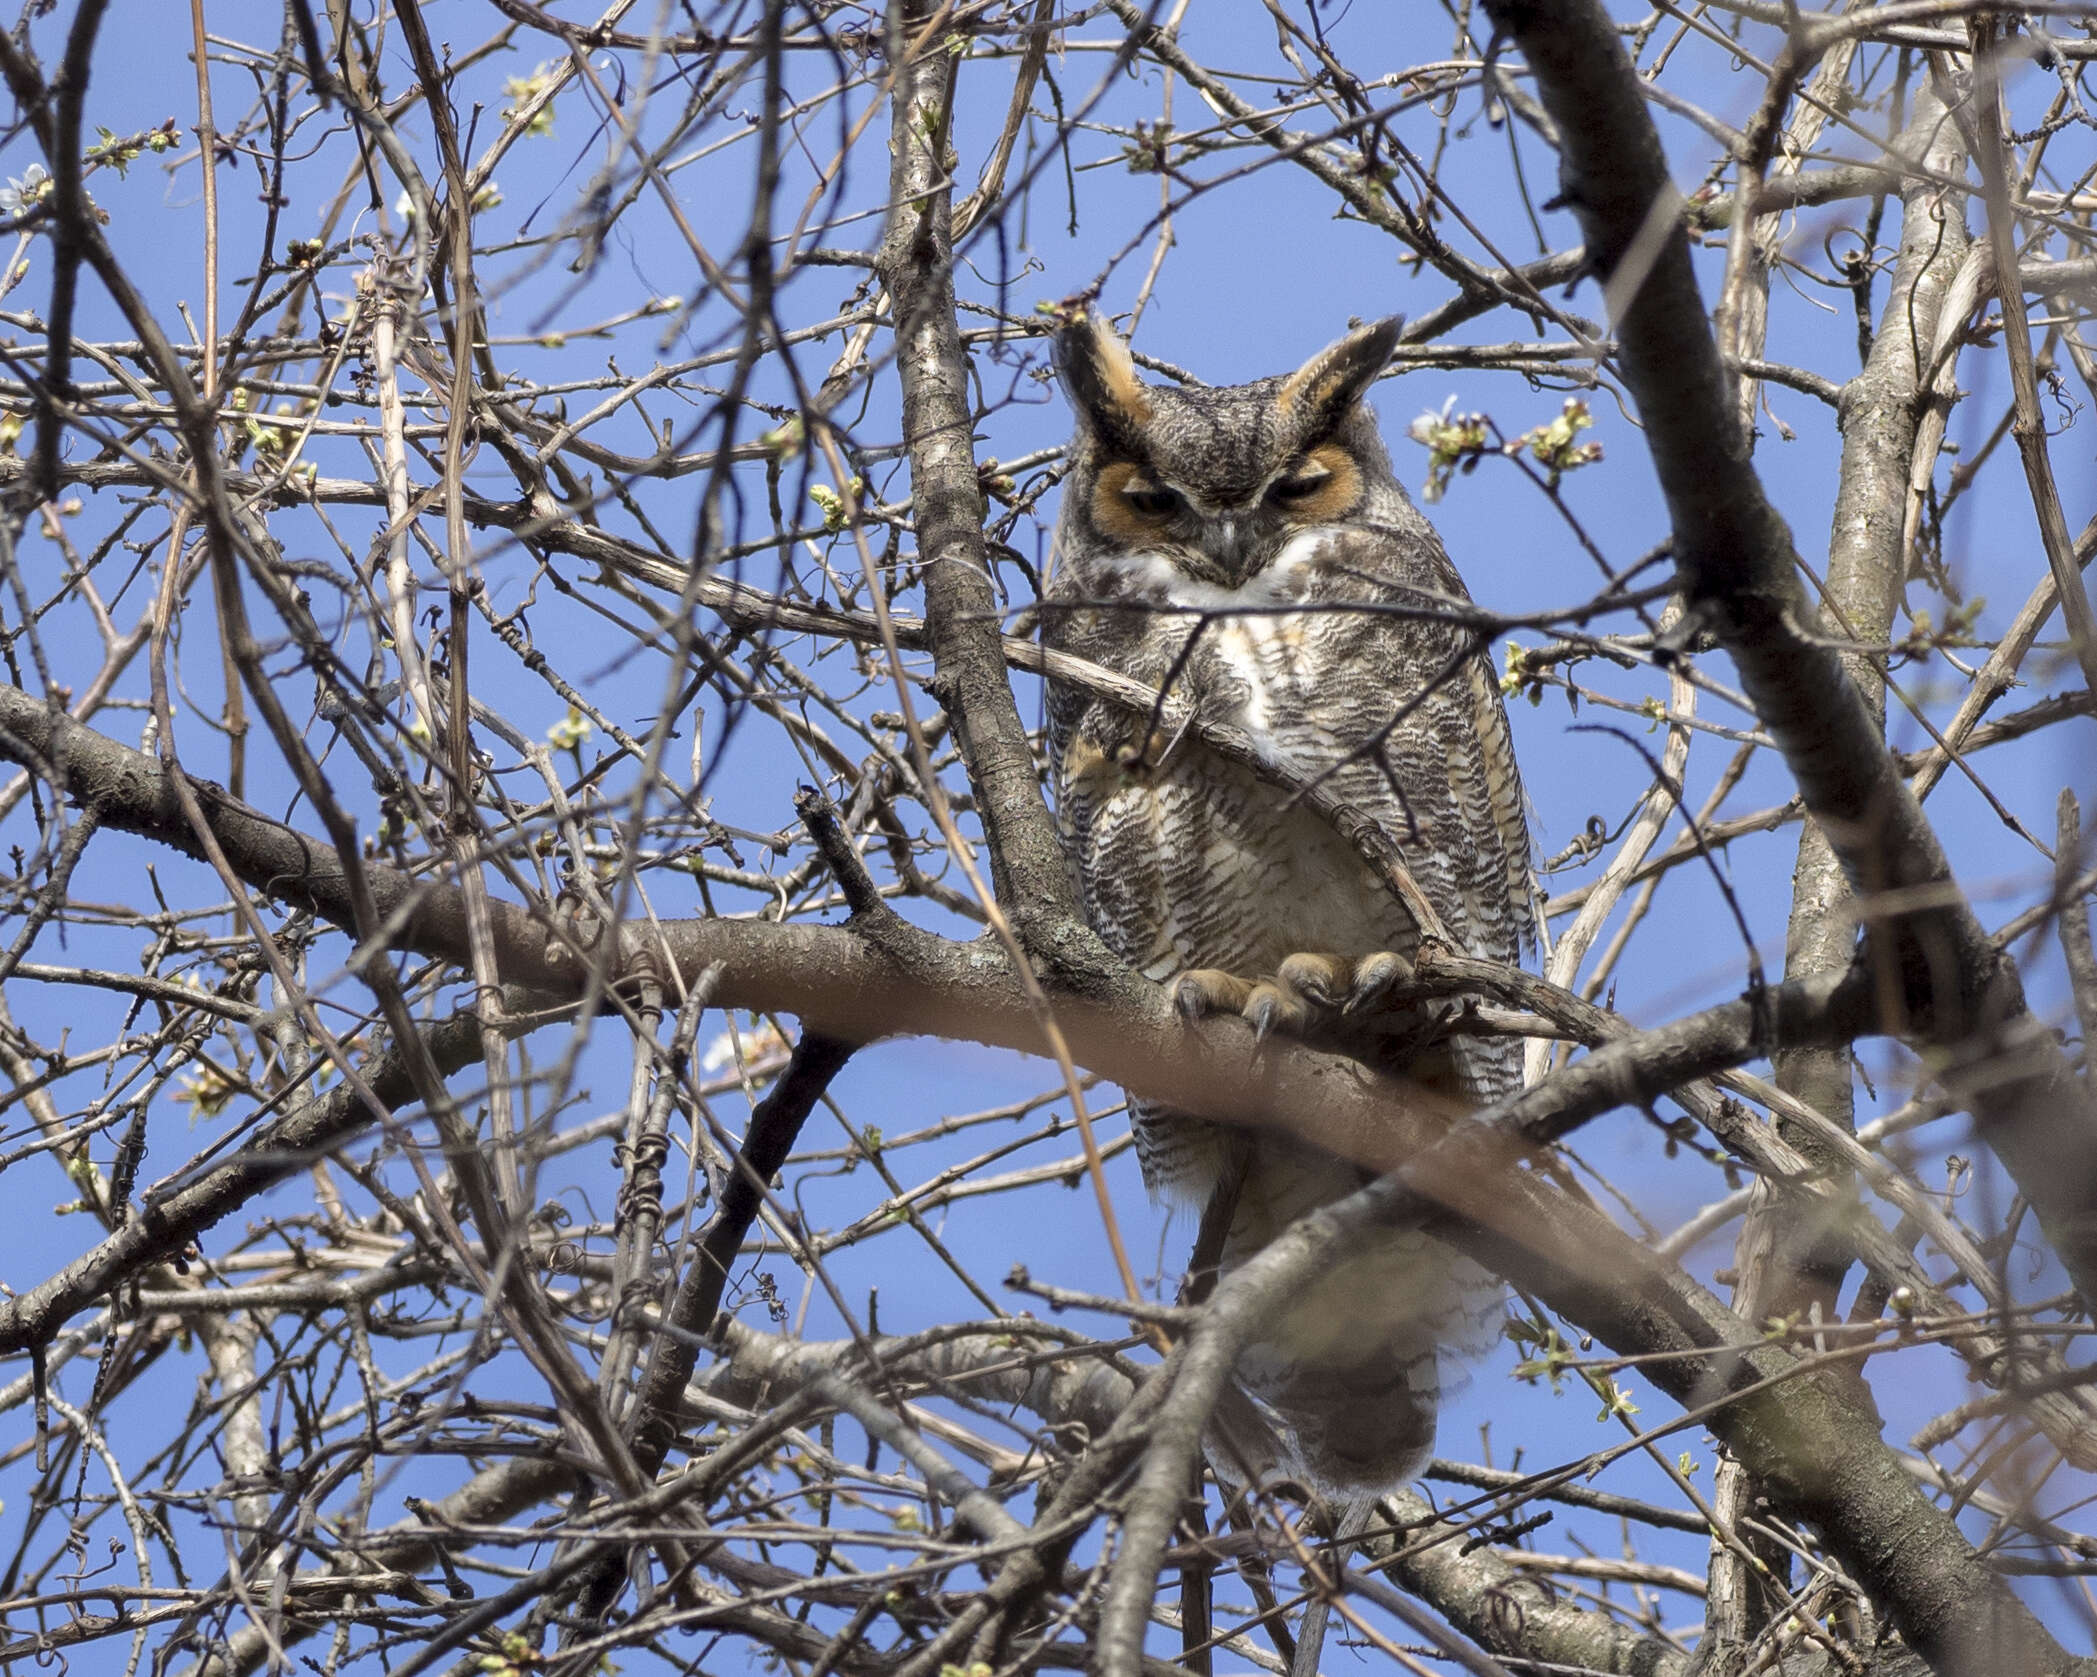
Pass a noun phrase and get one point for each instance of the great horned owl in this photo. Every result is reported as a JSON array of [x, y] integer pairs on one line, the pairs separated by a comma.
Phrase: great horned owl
[[1250, 547]]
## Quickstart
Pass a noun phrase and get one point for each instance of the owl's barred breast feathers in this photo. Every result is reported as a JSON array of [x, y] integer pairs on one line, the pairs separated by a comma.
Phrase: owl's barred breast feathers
[[1251, 546]]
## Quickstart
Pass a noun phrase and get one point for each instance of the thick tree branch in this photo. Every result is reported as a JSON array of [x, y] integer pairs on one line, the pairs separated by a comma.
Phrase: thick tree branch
[[856, 984], [916, 262]]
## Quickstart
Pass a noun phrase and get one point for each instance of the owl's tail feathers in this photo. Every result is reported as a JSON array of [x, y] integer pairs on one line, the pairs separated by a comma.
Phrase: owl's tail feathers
[[1349, 1420], [1366, 1428], [1355, 1366]]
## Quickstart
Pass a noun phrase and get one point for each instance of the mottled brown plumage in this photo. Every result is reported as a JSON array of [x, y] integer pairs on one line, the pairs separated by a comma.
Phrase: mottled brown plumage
[[1250, 546]]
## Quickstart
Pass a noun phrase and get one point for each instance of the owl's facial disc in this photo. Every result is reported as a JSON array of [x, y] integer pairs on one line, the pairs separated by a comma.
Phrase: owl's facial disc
[[1225, 542]]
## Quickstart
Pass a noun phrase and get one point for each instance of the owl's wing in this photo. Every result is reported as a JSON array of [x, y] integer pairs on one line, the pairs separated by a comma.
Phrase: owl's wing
[[1504, 804], [1415, 720], [1112, 827]]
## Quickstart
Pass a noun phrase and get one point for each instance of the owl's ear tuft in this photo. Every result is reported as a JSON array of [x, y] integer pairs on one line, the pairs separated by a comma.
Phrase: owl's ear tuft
[[1099, 376], [1318, 394]]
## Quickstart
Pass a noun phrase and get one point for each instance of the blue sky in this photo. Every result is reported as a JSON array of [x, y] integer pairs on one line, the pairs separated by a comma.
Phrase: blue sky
[[1260, 276]]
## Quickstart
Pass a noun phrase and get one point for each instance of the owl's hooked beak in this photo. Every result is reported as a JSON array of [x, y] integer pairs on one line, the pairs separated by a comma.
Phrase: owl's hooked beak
[[1227, 543]]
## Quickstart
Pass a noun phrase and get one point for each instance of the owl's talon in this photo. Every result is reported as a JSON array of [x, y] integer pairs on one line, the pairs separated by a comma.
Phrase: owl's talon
[[1207, 990], [1341, 985], [1375, 976], [1320, 980], [1275, 1007], [1305, 990]]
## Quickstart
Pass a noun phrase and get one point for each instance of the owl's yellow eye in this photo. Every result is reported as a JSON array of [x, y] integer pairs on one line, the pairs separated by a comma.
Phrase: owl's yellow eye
[[1150, 499]]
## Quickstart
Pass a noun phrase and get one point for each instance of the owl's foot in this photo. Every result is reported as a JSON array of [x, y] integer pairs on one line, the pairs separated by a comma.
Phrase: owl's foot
[[1345, 984], [1202, 991], [1305, 992]]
